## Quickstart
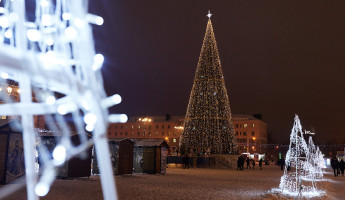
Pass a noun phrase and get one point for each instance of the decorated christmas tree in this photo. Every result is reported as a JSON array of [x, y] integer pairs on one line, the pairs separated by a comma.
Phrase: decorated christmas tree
[[208, 125]]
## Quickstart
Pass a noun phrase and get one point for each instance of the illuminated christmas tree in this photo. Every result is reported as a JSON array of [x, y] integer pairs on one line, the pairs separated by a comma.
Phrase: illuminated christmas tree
[[300, 181], [208, 125]]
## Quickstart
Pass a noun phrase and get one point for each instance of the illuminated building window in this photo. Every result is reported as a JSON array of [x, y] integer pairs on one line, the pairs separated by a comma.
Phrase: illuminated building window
[[245, 125], [244, 133], [132, 127], [253, 133], [162, 133], [174, 140], [3, 117], [253, 125], [138, 126], [169, 133], [168, 126]]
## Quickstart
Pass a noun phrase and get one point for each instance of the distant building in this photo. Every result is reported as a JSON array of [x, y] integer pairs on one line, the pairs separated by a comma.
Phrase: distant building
[[251, 132]]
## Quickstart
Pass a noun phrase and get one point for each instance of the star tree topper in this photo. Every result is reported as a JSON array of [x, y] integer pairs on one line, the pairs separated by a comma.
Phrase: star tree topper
[[209, 14]]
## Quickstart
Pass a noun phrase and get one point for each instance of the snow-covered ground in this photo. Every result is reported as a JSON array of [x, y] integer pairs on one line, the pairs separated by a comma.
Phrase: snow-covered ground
[[189, 184]]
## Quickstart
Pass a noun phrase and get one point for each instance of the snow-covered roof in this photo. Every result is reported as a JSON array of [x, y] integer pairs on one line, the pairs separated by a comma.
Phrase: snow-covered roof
[[149, 143]]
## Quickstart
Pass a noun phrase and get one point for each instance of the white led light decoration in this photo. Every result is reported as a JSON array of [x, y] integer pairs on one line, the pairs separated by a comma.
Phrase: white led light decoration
[[301, 159], [54, 64]]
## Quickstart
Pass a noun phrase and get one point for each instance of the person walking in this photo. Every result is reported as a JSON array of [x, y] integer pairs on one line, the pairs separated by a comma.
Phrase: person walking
[[239, 164], [342, 166], [248, 164], [282, 164], [242, 163], [335, 166], [253, 163], [260, 164]]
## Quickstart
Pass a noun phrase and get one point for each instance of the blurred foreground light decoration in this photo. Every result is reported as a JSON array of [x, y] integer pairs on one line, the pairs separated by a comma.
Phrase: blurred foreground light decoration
[[53, 61], [305, 167]]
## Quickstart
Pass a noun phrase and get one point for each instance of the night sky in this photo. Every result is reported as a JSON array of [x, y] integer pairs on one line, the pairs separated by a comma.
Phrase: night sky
[[279, 57]]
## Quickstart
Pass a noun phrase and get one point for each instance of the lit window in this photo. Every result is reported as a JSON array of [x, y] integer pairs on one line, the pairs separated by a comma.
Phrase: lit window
[[245, 125], [169, 133], [174, 140], [138, 126], [3, 117], [253, 125], [132, 127]]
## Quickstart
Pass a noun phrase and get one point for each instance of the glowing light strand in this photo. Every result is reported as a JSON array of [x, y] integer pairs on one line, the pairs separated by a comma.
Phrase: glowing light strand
[[50, 57]]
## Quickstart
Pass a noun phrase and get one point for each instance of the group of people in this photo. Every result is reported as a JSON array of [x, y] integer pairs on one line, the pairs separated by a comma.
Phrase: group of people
[[338, 166], [240, 163]]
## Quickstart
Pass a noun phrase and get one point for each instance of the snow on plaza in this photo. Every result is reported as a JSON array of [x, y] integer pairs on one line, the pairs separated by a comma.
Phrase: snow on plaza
[[180, 183]]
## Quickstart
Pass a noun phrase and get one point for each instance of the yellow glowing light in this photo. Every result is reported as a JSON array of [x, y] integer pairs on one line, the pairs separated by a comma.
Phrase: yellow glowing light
[[166, 138], [254, 138], [19, 90], [9, 90]]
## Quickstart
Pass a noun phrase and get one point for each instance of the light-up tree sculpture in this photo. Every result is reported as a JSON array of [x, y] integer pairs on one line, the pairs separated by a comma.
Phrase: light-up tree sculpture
[[312, 167], [294, 182], [208, 124], [53, 58], [320, 160]]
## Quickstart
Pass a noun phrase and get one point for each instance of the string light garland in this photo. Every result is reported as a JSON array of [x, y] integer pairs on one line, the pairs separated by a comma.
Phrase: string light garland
[[208, 124]]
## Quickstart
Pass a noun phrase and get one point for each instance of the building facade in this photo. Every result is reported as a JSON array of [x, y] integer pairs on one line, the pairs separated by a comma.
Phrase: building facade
[[251, 132]]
